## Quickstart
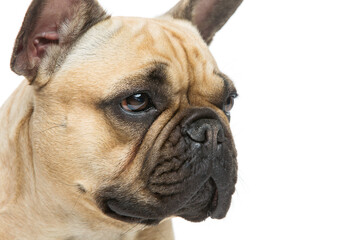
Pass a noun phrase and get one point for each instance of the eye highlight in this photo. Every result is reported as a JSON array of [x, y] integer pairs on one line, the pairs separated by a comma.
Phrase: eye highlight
[[138, 102]]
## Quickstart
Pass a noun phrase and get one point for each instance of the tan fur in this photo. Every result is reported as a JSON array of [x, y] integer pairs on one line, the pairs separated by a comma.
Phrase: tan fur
[[55, 137]]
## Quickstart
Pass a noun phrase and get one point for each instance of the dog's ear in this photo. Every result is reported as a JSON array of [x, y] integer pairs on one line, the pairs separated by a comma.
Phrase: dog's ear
[[55, 25], [207, 15]]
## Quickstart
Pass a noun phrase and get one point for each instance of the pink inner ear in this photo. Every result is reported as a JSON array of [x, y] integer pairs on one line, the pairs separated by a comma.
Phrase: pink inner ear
[[203, 10], [55, 13], [42, 41]]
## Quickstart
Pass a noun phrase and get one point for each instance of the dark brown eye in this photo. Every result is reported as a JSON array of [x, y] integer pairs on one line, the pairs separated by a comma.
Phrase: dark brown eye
[[136, 103], [229, 103]]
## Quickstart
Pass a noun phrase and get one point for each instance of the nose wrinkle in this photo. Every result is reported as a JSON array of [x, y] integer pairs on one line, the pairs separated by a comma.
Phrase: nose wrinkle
[[212, 134]]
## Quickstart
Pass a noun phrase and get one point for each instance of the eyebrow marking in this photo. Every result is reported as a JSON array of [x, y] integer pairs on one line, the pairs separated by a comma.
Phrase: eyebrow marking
[[157, 73], [228, 84], [152, 74], [222, 75]]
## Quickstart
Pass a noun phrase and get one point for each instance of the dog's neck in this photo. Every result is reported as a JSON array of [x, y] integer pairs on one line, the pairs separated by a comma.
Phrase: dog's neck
[[15, 152], [20, 196], [25, 196], [14, 123]]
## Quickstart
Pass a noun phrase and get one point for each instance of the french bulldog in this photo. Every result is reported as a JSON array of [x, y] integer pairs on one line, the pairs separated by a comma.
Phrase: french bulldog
[[121, 123]]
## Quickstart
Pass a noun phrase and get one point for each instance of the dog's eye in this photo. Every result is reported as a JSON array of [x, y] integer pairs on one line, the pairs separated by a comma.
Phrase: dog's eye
[[136, 103], [229, 103]]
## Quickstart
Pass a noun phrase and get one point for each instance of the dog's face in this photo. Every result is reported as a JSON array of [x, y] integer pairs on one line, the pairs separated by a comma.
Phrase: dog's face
[[131, 119]]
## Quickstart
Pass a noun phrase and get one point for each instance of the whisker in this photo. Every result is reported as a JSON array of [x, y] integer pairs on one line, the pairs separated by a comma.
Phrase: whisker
[[131, 228], [76, 202], [56, 126]]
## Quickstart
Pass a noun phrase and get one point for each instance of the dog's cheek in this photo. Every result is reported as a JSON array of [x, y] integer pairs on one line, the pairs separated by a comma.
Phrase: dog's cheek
[[79, 145]]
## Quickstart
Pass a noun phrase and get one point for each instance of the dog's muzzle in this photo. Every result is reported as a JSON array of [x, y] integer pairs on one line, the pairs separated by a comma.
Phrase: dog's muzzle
[[191, 174]]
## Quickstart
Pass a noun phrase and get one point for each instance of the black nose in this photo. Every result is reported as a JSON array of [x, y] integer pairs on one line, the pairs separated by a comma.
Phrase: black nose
[[205, 131]]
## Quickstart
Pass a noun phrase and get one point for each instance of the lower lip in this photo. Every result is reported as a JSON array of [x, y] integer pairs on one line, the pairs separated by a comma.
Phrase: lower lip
[[112, 213], [215, 197], [214, 202]]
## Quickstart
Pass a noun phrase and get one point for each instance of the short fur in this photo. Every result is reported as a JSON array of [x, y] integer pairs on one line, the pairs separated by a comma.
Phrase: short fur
[[67, 151]]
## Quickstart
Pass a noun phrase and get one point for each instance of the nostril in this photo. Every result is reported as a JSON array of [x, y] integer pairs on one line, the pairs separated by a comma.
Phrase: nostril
[[206, 130], [220, 135], [198, 133]]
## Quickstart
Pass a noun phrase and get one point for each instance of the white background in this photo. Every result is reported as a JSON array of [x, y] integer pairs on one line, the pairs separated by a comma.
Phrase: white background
[[296, 123]]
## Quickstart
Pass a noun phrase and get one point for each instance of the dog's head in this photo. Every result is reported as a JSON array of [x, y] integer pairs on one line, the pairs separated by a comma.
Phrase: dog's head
[[131, 115]]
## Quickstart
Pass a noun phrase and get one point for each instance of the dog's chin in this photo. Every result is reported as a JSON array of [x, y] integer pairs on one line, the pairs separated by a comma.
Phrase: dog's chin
[[203, 204], [113, 211]]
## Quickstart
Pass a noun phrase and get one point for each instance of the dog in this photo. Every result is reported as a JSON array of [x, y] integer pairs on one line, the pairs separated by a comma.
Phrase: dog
[[121, 124]]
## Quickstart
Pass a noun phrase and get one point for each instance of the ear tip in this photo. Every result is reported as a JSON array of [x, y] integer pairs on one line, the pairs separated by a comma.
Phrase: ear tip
[[208, 16]]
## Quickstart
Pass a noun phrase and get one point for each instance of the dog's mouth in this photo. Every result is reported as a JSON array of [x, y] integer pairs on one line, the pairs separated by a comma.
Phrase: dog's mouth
[[203, 204], [190, 174], [111, 209]]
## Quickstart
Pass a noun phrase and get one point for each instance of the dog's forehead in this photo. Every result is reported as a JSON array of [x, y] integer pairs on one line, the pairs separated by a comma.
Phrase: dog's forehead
[[124, 46]]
